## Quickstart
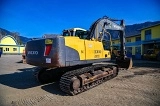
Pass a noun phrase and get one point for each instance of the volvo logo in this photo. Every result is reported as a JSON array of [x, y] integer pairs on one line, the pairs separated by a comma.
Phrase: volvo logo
[[32, 52]]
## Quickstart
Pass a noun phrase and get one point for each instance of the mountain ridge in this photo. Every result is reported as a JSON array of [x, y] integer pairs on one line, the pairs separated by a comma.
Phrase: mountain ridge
[[130, 30]]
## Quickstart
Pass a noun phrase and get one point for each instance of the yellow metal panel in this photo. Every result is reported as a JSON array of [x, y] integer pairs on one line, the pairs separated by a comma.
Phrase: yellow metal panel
[[94, 50], [98, 50], [77, 44], [89, 45], [107, 53], [87, 49], [48, 41]]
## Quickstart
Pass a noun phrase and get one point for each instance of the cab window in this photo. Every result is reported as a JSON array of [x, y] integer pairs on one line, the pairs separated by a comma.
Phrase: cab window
[[67, 33], [81, 34]]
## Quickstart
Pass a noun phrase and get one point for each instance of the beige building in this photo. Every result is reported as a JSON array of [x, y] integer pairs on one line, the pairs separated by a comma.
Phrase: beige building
[[10, 45]]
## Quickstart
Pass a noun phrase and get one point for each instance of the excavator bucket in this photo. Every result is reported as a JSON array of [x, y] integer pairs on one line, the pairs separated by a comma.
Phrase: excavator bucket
[[124, 63]]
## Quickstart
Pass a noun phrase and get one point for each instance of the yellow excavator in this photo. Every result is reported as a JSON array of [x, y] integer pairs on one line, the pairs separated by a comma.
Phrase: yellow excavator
[[152, 54], [78, 57]]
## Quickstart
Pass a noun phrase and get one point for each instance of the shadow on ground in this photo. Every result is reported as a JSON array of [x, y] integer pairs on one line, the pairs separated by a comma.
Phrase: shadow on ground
[[145, 63], [143, 72], [22, 79], [53, 88], [21, 61]]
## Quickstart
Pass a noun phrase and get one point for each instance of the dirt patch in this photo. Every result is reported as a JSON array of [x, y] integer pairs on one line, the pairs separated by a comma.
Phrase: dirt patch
[[128, 76], [143, 72]]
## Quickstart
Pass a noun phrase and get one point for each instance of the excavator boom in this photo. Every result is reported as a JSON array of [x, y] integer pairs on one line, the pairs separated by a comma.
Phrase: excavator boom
[[100, 27]]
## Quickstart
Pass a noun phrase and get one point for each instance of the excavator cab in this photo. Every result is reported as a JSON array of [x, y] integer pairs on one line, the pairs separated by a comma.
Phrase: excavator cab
[[76, 32]]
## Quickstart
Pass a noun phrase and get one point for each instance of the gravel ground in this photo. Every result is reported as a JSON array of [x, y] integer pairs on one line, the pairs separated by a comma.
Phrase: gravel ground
[[139, 86]]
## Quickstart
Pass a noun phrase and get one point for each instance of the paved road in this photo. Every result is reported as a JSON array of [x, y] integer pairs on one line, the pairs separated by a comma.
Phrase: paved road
[[136, 87]]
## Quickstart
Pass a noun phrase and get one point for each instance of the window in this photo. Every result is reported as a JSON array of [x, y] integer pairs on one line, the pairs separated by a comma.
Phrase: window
[[147, 37], [106, 45], [148, 34], [129, 50], [138, 38], [67, 33], [138, 50], [7, 49], [128, 40], [81, 34], [14, 49], [113, 42]]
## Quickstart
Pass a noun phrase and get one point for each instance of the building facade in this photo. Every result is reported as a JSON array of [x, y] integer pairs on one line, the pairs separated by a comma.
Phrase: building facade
[[137, 45], [9, 45], [150, 38]]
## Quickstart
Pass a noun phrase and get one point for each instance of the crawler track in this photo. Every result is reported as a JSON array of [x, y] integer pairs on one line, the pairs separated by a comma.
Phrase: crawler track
[[83, 79]]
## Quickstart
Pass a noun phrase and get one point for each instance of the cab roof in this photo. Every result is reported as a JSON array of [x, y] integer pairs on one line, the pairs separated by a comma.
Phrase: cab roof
[[74, 29]]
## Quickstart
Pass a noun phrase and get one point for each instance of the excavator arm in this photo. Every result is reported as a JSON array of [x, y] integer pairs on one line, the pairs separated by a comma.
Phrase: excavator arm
[[98, 30]]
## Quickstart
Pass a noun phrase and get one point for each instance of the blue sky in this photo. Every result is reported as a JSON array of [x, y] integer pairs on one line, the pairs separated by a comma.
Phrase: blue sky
[[33, 18]]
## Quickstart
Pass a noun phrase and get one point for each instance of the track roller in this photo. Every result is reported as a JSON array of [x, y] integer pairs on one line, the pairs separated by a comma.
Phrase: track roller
[[75, 83]]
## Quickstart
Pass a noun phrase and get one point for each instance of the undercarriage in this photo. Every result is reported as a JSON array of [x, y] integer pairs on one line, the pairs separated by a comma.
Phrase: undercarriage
[[75, 80]]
